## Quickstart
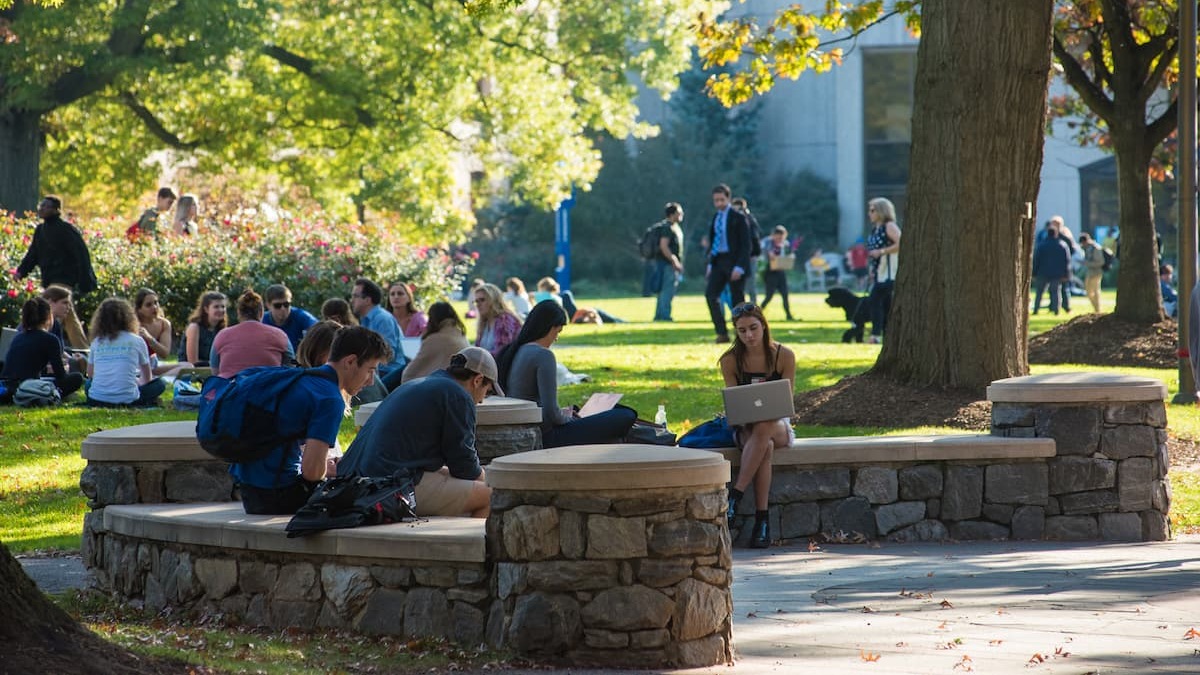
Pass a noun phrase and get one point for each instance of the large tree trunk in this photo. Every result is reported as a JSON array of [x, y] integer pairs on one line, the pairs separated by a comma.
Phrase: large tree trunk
[[1139, 298], [20, 158], [959, 318]]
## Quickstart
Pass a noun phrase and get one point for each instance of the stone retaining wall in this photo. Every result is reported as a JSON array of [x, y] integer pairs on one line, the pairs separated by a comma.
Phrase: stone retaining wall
[[374, 596]]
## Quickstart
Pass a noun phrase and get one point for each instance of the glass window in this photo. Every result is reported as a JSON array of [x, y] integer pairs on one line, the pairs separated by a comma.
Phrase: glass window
[[888, 77]]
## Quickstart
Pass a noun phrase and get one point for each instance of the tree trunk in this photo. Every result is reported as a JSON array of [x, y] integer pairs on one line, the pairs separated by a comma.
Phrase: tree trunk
[[959, 318], [20, 159], [1139, 298]]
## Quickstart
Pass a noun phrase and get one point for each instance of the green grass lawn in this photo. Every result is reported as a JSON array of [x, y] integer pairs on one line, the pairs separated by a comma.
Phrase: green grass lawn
[[651, 363]]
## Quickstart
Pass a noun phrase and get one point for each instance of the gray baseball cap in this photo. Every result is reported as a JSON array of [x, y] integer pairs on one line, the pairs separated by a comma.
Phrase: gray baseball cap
[[479, 360]]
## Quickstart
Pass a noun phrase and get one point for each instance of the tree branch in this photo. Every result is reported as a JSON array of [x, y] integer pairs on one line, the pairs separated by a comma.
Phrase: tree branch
[[1091, 93], [1154, 80], [308, 68], [98, 70], [153, 125]]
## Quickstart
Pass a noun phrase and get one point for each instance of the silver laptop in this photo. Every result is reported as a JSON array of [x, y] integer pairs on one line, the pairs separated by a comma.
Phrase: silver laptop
[[758, 402], [410, 347]]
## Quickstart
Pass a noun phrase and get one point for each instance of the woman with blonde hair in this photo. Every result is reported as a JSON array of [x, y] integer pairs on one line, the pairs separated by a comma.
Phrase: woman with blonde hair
[[119, 367], [883, 247], [517, 296], [498, 324], [187, 211]]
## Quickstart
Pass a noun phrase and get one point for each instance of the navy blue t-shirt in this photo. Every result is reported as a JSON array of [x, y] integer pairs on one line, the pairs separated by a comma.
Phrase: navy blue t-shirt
[[314, 406], [298, 322], [30, 353]]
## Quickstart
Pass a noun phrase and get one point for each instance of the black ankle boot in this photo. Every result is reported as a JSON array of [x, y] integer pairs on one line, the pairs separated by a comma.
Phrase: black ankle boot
[[760, 536]]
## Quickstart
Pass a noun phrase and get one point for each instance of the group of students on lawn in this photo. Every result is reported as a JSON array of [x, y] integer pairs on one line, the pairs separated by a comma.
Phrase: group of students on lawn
[[425, 426]]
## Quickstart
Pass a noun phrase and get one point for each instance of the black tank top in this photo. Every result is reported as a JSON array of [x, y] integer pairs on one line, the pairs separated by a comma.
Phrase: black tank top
[[744, 378]]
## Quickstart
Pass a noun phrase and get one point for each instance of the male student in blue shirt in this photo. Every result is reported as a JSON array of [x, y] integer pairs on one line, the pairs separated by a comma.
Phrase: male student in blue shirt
[[293, 321]]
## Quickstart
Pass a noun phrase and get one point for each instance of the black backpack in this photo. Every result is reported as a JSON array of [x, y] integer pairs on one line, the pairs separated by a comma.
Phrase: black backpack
[[755, 236], [239, 418], [354, 501], [1108, 259], [648, 247]]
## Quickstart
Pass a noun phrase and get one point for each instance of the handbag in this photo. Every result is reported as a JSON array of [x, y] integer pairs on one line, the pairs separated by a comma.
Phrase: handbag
[[715, 433], [354, 501], [186, 394], [35, 393], [649, 433], [783, 263]]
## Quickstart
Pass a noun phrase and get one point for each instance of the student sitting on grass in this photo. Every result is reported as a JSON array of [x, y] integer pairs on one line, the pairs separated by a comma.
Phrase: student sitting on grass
[[32, 350], [119, 364], [208, 319]]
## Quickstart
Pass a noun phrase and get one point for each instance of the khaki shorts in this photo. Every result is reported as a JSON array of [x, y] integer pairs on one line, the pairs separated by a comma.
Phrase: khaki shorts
[[440, 494]]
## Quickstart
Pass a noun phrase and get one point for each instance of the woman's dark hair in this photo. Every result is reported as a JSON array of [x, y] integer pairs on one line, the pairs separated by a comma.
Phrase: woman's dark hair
[[140, 299], [313, 350], [542, 318], [738, 348], [337, 309], [250, 306], [34, 313], [112, 317], [439, 314], [200, 314]]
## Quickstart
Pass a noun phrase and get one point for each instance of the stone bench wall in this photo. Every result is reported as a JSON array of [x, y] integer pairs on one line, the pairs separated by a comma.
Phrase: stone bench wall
[[286, 590]]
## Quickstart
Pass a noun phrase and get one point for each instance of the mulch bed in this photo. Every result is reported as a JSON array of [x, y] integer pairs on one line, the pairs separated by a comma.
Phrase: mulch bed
[[1105, 340]]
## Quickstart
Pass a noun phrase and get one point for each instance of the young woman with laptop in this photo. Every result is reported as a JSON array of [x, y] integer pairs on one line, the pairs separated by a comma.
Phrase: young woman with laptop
[[758, 410]]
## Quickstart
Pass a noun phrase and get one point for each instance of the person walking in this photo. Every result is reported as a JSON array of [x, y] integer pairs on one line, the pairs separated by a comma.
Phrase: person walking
[[728, 259], [1064, 234], [756, 239], [58, 249], [1093, 265], [668, 263], [1051, 260], [780, 261]]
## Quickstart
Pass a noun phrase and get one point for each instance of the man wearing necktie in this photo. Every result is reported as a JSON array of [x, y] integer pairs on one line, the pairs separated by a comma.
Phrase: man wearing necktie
[[728, 258]]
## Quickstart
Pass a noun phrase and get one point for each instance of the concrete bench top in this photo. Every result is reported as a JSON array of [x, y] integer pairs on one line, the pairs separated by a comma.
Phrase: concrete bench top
[[884, 449], [1076, 388], [227, 526], [607, 467], [494, 411], [159, 441]]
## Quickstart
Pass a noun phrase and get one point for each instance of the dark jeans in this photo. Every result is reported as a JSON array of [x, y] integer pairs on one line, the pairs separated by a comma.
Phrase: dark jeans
[[68, 384], [148, 395], [279, 501], [609, 426], [1044, 283], [1065, 288], [718, 278], [881, 305], [776, 280]]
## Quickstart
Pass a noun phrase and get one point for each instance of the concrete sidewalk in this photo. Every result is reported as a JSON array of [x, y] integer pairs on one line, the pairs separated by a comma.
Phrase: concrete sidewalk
[[997, 607]]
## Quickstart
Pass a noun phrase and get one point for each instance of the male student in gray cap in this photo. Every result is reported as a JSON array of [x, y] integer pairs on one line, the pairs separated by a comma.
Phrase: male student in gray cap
[[428, 427]]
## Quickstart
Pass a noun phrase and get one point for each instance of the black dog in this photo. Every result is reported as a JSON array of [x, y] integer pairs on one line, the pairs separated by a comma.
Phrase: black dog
[[857, 309]]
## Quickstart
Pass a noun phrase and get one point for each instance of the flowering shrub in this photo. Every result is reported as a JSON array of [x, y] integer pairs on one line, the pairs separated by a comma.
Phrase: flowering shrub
[[314, 257]]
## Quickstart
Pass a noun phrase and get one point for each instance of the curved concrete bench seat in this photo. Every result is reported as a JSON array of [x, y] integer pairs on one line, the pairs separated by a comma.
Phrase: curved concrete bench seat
[[607, 467], [226, 525], [159, 441], [1076, 388], [886, 449]]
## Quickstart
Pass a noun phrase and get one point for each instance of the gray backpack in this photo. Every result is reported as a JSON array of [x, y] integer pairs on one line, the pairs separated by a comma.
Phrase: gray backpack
[[36, 393]]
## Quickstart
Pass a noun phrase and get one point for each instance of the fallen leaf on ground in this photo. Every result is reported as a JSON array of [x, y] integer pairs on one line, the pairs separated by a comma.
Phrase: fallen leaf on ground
[[995, 643], [1191, 634], [1035, 659], [942, 626], [946, 604], [867, 610], [965, 664], [868, 656]]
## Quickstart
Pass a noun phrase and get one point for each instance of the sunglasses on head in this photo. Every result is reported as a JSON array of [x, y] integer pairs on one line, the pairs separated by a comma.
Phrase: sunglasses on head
[[744, 308], [281, 305]]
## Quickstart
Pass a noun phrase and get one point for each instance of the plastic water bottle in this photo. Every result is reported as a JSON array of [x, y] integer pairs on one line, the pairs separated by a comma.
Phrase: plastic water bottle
[[660, 417]]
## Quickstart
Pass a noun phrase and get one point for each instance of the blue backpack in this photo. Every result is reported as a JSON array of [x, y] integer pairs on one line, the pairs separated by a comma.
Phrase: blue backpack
[[239, 417], [715, 433]]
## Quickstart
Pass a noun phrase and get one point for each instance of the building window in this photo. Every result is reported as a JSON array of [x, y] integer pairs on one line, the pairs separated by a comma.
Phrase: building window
[[888, 77]]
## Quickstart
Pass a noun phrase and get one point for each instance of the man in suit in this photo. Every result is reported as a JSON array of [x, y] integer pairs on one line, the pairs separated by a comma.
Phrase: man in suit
[[728, 258]]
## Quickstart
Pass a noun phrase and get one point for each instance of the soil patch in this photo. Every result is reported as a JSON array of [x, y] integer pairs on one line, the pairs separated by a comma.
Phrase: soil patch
[[1105, 340], [871, 400]]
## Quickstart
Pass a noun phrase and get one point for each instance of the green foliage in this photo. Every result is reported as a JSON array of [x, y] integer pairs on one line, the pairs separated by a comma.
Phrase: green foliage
[[379, 108], [315, 256]]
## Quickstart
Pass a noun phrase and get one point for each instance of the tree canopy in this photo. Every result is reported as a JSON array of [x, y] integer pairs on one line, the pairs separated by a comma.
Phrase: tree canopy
[[375, 106]]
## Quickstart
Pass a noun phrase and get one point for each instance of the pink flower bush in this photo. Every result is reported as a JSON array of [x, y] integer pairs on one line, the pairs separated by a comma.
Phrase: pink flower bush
[[315, 257]]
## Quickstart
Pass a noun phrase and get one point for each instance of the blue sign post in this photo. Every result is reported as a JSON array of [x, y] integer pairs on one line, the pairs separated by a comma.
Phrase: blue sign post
[[562, 241]]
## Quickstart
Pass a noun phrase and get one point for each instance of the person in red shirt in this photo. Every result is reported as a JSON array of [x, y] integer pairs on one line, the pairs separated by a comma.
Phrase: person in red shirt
[[857, 256]]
